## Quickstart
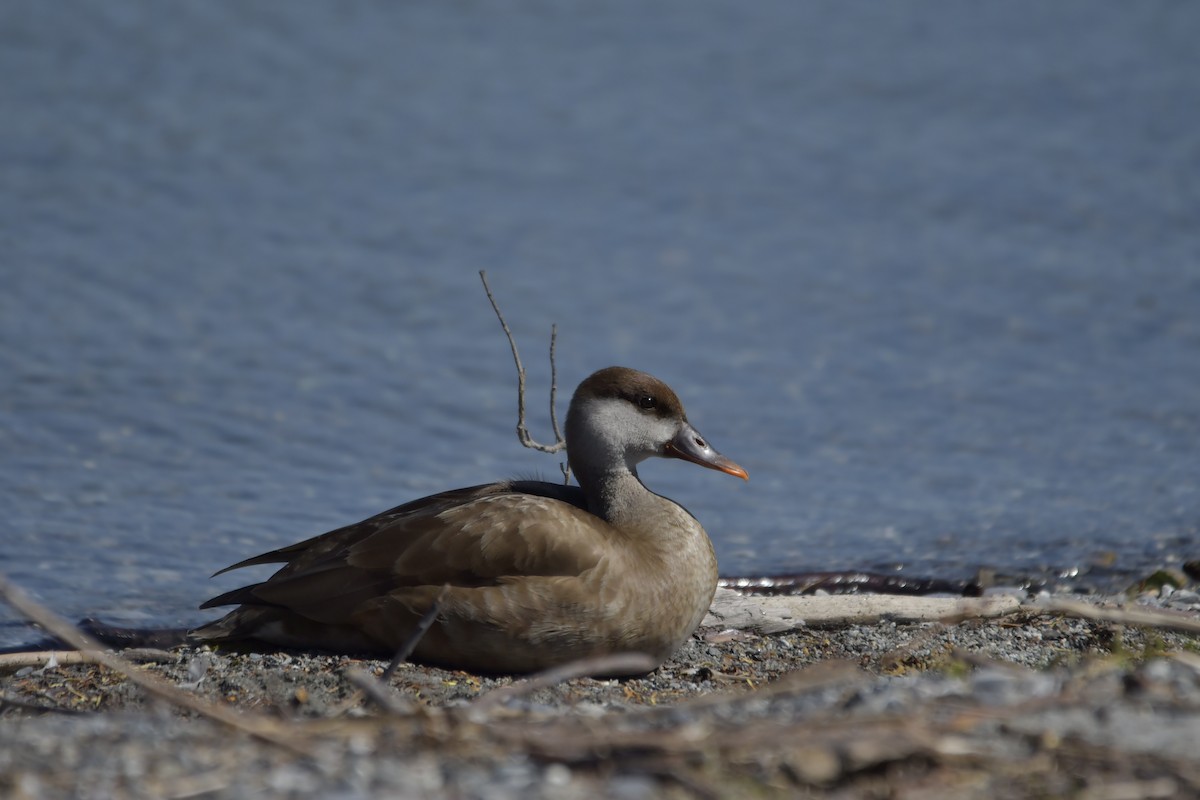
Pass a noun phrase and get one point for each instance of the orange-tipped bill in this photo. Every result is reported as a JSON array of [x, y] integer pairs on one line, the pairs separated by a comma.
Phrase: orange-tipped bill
[[689, 445]]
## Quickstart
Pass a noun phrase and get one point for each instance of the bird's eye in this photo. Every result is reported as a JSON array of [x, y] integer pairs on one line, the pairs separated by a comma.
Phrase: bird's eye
[[647, 401]]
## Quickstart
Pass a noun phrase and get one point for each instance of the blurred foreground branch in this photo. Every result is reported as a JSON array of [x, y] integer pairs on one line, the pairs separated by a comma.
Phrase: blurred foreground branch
[[92, 651]]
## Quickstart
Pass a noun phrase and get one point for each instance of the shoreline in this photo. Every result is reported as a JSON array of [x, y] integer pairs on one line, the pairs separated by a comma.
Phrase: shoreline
[[1034, 701]]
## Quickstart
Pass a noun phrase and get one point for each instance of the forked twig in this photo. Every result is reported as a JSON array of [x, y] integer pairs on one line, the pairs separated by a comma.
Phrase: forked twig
[[255, 725], [522, 429]]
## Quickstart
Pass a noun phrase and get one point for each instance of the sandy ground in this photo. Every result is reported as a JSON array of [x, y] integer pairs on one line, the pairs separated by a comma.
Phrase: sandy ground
[[1029, 704]]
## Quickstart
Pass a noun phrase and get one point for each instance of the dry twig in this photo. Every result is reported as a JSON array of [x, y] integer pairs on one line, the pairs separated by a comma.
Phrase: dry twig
[[260, 727], [36, 708], [44, 658], [615, 663], [417, 635], [377, 691], [1143, 617], [522, 429]]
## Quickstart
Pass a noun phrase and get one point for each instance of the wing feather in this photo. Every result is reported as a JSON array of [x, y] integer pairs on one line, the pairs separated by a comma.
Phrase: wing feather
[[482, 536]]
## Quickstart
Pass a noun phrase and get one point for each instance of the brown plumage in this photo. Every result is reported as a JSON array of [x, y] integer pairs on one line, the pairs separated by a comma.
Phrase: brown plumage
[[539, 573]]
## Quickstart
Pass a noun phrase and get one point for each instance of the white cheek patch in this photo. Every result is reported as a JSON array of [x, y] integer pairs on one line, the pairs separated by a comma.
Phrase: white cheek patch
[[621, 427]]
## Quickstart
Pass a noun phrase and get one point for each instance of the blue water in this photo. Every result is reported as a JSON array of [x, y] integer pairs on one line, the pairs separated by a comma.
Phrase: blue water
[[929, 271]]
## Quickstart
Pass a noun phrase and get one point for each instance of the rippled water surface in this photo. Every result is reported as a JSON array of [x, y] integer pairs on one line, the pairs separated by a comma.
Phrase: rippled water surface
[[930, 271]]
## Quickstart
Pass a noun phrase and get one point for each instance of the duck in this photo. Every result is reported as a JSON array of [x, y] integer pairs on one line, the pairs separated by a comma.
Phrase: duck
[[526, 575]]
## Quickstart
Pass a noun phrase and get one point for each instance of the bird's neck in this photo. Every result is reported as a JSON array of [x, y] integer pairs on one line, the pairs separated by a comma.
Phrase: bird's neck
[[618, 496]]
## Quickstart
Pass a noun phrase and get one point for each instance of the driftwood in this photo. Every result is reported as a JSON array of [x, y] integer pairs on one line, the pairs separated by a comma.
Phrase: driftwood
[[62, 658], [777, 614]]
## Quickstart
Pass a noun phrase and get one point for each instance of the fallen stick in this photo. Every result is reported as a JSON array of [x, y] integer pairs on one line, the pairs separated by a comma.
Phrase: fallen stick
[[258, 726], [1188, 659], [36, 708], [44, 658], [809, 678], [732, 609], [1142, 617], [378, 692], [616, 663]]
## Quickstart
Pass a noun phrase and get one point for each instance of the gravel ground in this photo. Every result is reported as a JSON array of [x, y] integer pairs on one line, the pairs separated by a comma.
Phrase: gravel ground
[[1026, 705]]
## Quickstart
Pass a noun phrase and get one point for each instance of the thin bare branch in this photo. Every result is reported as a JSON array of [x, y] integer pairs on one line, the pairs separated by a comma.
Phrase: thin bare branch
[[37, 708], [257, 726], [417, 635], [44, 658], [1184, 657], [522, 429], [378, 692], [558, 437], [614, 663], [1144, 617], [564, 466]]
